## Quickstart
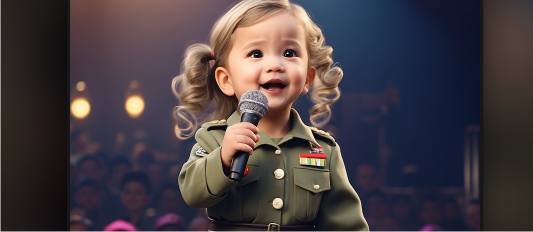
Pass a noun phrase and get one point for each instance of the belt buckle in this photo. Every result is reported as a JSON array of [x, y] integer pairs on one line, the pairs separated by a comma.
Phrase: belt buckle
[[270, 225]]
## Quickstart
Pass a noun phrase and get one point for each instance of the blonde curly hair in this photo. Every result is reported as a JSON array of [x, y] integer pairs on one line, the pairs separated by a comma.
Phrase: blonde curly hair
[[196, 88]]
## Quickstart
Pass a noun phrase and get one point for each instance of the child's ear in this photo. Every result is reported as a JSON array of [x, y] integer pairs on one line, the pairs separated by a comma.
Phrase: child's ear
[[309, 80], [224, 82]]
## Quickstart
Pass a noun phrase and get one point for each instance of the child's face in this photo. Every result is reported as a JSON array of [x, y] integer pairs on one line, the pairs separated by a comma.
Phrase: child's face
[[134, 196], [270, 56]]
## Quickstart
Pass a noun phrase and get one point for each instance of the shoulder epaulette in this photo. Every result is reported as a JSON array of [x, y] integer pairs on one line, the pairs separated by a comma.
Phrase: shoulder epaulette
[[323, 134], [215, 123]]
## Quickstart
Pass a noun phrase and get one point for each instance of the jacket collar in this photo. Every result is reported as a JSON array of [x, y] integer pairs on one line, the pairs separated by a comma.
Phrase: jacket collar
[[299, 130]]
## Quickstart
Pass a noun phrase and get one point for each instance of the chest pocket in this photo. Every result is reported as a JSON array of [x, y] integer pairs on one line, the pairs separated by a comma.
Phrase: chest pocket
[[242, 199], [309, 184]]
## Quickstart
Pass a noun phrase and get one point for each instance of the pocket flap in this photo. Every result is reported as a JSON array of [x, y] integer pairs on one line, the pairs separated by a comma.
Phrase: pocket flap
[[251, 176], [312, 179]]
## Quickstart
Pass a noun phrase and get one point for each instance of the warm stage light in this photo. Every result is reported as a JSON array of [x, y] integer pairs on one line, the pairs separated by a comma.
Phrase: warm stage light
[[135, 106], [80, 108], [80, 86]]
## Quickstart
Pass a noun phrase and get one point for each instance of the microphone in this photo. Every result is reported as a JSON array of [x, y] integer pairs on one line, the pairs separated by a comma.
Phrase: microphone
[[253, 106]]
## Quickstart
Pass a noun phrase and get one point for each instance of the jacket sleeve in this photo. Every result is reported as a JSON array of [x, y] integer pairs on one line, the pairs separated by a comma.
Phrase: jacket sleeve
[[202, 180], [340, 208]]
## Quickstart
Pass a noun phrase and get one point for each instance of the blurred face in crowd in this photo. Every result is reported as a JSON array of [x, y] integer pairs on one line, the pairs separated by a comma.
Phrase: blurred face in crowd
[[451, 211], [156, 174], [388, 223], [367, 177], [87, 197], [81, 142], [119, 171], [90, 168], [402, 208], [199, 224], [473, 216], [430, 213], [170, 201], [134, 196], [376, 206], [170, 228], [78, 227], [78, 211]]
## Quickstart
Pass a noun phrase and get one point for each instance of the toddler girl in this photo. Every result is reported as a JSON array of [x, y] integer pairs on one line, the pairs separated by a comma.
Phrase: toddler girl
[[295, 178]]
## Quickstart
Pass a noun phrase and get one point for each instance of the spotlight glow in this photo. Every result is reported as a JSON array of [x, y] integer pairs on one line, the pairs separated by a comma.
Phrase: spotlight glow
[[135, 106], [80, 86], [80, 108]]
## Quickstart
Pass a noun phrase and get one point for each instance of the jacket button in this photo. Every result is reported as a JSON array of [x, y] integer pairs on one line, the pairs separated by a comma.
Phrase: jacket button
[[278, 152], [279, 174], [316, 187], [277, 203]]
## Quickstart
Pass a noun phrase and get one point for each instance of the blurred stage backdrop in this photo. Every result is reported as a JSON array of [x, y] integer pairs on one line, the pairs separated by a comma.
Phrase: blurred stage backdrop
[[410, 103]]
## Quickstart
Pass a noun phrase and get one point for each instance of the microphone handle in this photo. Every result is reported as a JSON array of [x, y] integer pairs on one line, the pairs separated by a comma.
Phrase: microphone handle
[[241, 158]]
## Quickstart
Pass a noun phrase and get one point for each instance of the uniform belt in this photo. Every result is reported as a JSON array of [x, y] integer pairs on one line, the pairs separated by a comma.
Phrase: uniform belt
[[224, 226]]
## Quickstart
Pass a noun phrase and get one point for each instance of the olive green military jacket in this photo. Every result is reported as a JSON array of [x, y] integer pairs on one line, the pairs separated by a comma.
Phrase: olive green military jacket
[[277, 188]]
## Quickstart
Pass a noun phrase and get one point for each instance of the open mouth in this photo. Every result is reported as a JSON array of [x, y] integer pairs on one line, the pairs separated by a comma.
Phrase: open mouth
[[274, 84]]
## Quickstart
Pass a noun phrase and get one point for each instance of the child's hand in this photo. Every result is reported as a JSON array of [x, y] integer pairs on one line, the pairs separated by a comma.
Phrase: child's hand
[[239, 137]]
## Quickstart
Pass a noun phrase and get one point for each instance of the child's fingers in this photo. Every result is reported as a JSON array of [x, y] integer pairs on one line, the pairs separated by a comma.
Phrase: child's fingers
[[245, 132], [244, 147], [248, 126], [246, 140]]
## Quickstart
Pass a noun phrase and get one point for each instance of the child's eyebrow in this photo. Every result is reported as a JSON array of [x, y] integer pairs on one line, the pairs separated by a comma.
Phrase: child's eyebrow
[[292, 42], [259, 42], [254, 43]]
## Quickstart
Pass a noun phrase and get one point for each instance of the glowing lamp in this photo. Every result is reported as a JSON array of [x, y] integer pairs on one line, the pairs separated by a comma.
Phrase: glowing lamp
[[135, 106], [80, 108]]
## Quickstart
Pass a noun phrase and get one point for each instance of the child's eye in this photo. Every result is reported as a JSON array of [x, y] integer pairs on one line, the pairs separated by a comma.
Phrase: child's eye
[[289, 53], [255, 54]]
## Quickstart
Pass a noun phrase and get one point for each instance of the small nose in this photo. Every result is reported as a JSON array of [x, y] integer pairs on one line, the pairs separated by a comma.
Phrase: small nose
[[274, 66]]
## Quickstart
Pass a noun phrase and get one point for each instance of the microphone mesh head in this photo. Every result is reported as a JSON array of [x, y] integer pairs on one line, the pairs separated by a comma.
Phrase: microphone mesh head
[[254, 102]]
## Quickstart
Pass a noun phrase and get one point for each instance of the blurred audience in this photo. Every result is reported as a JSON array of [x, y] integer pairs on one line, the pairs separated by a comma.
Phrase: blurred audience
[[120, 225], [114, 193], [452, 216], [473, 215], [366, 179], [200, 223], [375, 207], [118, 167], [88, 198], [169, 200], [78, 145], [387, 223], [135, 198], [431, 227], [79, 223], [146, 158], [72, 184], [430, 211], [90, 165], [157, 177], [402, 209], [169, 222]]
